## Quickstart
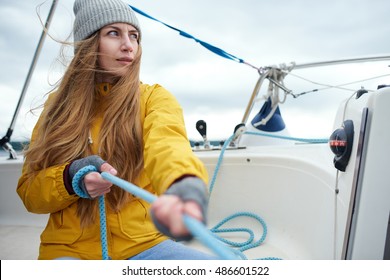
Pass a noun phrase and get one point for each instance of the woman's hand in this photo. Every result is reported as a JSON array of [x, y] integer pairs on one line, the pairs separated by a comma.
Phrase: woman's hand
[[169, 211], [185, 196], [94, 183]]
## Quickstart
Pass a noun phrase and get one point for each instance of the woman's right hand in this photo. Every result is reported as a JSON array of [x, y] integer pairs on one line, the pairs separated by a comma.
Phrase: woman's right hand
[[94, 183]]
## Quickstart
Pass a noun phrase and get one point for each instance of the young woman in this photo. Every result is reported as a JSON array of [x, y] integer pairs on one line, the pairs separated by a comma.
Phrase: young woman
[[101, 114]]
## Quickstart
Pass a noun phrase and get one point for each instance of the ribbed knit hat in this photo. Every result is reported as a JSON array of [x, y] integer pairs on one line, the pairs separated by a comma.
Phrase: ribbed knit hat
[[92, 15]]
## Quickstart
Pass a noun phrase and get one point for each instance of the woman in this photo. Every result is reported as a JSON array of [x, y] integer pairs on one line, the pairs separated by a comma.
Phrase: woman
[[102, 115]]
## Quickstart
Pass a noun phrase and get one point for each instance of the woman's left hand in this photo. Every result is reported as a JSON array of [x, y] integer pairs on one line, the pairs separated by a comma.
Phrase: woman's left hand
[[169, 210]]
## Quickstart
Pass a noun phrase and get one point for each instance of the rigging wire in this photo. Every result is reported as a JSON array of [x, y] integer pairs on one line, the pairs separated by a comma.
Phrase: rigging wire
[[328, 86], [206, 45]]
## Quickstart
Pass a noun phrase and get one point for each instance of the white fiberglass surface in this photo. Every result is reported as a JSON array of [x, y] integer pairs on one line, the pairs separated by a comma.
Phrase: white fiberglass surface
[[294, 196]]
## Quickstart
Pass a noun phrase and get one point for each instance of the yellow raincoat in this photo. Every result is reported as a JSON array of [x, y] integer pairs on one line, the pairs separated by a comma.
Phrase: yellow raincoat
[[167, 156]]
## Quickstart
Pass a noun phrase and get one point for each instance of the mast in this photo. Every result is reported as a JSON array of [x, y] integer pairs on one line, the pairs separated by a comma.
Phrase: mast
[[5, 141]]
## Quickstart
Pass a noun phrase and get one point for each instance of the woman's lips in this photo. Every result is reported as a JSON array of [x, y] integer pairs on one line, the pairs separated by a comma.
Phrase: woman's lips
[[125, 60]]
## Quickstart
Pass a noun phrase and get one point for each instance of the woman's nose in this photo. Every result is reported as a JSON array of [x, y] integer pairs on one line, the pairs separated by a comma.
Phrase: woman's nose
[[127, 44]]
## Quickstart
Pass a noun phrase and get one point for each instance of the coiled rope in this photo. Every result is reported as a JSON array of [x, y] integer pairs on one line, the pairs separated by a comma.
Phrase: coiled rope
[[196, 228], [250, 243], [102, 207]]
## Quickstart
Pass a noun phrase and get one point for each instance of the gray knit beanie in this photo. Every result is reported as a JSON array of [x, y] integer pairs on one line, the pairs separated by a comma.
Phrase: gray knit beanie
[[92, 15]]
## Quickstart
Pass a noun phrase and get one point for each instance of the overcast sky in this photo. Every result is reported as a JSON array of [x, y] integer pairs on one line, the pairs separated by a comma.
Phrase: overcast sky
[[208, 86]]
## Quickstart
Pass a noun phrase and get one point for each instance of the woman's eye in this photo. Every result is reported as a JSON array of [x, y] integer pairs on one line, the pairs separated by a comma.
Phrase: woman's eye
[[133, 36], [113, 33]]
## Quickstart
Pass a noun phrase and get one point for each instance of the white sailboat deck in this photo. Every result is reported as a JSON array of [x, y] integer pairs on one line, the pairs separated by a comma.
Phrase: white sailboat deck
[[20, 230]]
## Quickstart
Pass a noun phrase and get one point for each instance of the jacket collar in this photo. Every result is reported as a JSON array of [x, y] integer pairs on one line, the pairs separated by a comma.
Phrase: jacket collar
[[103, 88]]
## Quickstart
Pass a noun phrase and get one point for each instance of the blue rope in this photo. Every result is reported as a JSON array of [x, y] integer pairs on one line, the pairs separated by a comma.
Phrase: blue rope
[[306, 140], [219, 163], [216, 229], [194, 226], [227, 142], [208, 46], [102, 208], [250, 241], [76, 181], [242, 245], [103, 228]]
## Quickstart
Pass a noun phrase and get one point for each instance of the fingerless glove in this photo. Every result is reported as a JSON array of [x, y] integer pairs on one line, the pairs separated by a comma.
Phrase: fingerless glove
[[189, 188], [78, 164]]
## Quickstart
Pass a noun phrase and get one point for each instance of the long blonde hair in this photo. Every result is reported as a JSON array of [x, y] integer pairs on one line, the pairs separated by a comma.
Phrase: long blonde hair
[[66, 121]]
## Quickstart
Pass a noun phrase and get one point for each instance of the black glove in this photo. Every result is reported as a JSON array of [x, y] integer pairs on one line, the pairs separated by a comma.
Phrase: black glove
[[189, 188], [76, 165]]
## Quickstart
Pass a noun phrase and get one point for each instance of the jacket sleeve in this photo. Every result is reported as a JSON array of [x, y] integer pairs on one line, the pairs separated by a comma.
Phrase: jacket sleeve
[[45, 192], [167, 154]]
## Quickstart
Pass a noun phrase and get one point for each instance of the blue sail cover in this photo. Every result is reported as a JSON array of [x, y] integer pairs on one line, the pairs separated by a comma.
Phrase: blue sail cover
[[274, 124]]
